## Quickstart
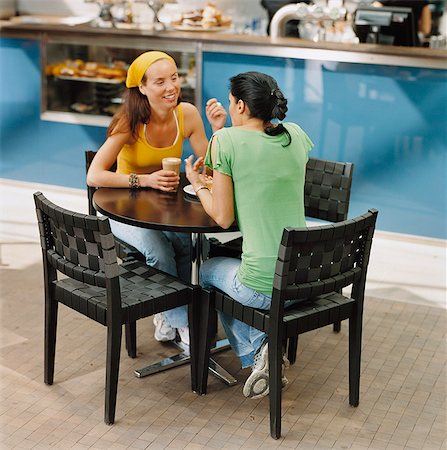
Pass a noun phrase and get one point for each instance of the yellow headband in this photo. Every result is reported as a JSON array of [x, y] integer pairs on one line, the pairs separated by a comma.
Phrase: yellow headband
[[138, 68]]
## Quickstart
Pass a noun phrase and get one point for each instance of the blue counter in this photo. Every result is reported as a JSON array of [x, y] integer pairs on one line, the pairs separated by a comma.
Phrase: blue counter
[[390, 121]]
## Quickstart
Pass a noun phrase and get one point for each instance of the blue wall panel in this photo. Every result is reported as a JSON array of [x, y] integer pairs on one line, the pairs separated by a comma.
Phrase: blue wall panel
[[32, 149], [389, 121]]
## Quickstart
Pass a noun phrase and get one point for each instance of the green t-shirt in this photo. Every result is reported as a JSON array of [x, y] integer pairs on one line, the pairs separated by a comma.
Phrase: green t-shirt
[[268, 184]]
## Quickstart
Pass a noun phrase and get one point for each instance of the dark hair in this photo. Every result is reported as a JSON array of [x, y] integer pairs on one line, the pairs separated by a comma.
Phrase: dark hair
[[135, 109], [264, 99]]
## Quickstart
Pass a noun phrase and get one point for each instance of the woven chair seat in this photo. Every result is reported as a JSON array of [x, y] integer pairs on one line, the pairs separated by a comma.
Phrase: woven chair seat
[[299, 317], [144, 291]]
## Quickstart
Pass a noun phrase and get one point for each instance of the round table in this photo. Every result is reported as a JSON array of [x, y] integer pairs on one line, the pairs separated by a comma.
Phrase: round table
[[176, 211], [151, 208]]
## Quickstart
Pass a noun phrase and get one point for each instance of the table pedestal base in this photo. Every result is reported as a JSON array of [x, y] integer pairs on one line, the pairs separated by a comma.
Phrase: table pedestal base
[[183, 358]]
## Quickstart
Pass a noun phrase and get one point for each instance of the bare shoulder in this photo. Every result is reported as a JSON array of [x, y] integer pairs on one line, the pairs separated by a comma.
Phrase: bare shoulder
[[189, 110], [113, 145], [192, 120], [122, 138]]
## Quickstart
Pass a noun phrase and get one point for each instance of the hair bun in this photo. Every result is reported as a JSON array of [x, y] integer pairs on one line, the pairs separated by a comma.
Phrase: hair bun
[[280, 105]]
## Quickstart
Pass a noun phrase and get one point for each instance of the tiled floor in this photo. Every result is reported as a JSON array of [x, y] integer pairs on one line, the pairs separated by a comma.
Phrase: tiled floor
[[403, 384]]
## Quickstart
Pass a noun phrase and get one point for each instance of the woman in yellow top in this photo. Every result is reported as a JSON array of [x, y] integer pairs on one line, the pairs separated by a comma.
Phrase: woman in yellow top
[[151, 125]]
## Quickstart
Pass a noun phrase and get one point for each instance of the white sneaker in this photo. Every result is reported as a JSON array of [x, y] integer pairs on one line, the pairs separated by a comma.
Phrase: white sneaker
[[184, 335], [257, 384], [163, 331]]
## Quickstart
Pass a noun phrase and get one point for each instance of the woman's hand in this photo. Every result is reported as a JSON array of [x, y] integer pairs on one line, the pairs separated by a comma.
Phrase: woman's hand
[[215, 114], [163, 180], [193, 171], [218, 204]]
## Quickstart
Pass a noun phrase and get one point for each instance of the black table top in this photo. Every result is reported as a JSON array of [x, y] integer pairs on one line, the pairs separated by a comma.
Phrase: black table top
[[151, 208]]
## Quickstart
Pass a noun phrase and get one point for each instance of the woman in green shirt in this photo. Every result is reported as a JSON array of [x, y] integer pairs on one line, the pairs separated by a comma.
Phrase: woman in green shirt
[[258, 179]]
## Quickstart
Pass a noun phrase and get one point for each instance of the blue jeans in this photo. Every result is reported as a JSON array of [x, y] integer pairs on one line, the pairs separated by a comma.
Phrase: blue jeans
[[165, 250], [221, 273]]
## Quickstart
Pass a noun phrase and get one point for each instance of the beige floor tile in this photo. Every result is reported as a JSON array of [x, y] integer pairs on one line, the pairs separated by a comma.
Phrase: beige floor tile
[[403, 384]]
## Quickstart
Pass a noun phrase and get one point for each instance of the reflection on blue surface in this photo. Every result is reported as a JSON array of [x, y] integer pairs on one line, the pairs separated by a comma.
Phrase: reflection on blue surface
[[32, 149], [389, 121]]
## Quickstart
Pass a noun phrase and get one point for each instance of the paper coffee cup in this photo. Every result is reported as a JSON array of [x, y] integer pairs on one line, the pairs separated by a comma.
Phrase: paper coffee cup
[[173, 164]]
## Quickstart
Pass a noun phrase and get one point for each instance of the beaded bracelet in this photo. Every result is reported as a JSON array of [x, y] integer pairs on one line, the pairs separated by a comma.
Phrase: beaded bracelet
[[200, 188], [134, 181]]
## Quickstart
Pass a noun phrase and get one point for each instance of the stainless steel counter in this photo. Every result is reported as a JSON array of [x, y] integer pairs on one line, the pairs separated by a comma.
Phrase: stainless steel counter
[[241, 44]]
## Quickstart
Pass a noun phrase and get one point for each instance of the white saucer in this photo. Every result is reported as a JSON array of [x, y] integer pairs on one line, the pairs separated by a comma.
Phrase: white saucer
[[189, 190]]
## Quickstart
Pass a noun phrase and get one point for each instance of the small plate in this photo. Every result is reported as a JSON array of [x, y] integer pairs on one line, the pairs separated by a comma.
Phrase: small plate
[[189, 190]]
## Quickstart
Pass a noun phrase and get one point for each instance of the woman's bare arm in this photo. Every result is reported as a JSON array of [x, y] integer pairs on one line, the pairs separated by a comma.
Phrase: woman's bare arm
[[194, 128], [99, 174], [219, 204]]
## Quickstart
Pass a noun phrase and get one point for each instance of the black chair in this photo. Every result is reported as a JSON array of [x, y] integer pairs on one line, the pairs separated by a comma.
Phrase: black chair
[[82, 248], [327, 189], [327, 192], [313, 265]]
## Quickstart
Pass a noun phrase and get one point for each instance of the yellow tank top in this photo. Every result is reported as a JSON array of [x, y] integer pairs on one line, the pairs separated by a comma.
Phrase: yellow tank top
[[141, 157]]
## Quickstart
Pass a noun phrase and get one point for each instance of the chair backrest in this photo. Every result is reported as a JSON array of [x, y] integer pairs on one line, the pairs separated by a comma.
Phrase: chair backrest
[[80, 246], [318, 260], [89, 155], [327, 189]]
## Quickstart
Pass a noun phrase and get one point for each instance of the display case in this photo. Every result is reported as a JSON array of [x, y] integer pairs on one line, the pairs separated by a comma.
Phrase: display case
[[84, 80]]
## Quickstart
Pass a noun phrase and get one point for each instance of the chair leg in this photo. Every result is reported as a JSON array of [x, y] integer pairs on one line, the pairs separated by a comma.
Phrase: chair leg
[[193, 324], [206, 331], [131, 339], [292, 348], [275, 385], [337, 325], [114, 333], [51, 307], [355, 347]]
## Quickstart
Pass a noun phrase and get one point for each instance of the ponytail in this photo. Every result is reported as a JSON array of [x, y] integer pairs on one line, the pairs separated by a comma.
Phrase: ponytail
[[264, 99]]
